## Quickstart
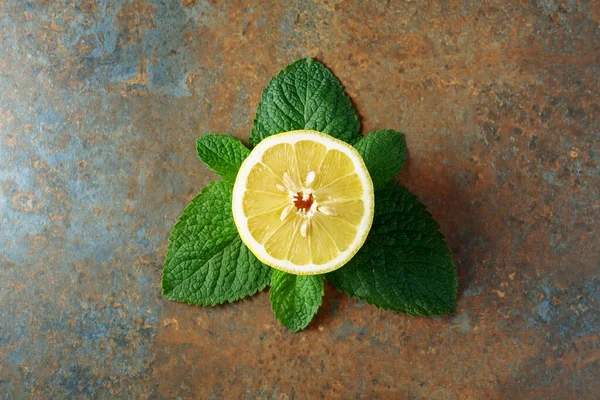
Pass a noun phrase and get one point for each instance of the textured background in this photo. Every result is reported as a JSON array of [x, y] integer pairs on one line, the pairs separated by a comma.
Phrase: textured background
[[100, 105]]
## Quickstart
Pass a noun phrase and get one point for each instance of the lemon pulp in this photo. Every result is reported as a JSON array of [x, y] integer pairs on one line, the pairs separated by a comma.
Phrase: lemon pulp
[[303, 202]]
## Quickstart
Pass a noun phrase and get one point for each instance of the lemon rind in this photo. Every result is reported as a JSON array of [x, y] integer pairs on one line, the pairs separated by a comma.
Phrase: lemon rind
[[240, 218]]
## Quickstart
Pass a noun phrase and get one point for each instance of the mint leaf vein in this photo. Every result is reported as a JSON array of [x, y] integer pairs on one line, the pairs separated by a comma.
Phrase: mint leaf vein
[[207, 263], [405, 264], [305, 95]]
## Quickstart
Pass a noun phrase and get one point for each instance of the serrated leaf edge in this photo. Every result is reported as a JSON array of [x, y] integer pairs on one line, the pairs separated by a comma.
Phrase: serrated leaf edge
[[404, 151], [208, 166], [171, 239], [448, 252], [281, 72], [314, 310]]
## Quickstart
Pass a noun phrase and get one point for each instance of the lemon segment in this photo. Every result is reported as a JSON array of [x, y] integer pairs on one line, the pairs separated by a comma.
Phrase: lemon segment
[[303, 202]]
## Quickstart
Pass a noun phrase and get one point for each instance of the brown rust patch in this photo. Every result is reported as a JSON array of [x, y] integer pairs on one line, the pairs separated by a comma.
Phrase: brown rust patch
[[87, 6], [133, 19], [25, 202], [189, 3], [496, 101]]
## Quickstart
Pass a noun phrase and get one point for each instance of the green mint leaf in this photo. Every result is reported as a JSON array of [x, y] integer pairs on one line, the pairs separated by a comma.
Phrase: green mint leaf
[[405, 264], [207, 263], [305, 95], [222, 154], [295, 299], [384, 153]]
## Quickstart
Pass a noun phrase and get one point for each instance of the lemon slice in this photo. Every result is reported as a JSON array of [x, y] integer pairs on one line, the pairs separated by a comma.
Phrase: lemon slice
[[303, 202]]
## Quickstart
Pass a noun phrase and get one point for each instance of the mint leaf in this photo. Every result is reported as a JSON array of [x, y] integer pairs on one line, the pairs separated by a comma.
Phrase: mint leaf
[[222, 154], [207, 263], [405, 264], [384, 153], [305, 95], [295, 299]]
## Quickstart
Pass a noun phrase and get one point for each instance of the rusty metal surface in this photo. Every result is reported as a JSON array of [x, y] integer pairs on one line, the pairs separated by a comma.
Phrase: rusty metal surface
[[100, 105]]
